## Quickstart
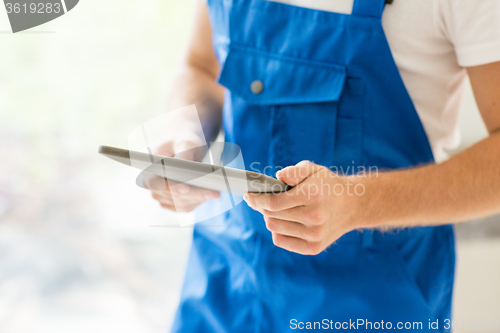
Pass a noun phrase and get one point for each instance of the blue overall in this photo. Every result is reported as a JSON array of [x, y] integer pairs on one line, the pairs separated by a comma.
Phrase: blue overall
[[328, 90]]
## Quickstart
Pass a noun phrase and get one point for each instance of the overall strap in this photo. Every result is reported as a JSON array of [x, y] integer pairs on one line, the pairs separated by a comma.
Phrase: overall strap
[[371, 8]]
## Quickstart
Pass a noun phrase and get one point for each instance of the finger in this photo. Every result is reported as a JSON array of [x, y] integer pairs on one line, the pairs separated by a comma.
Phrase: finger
[[296, 245], [153, 182], [274, 202], [186, 191], [167, 206], [260, 210], [161, 195], [186, 208], [293, 229], [167, 198], [164, 201], [294, 175], [301, 214], [179, 190], [180, 207], [190, 193]]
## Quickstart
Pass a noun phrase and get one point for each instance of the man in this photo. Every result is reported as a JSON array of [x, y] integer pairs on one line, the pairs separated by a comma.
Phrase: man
[[339, 86]]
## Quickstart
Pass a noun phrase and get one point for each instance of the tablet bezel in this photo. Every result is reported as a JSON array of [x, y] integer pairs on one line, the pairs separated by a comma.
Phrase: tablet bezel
[[197, 167]]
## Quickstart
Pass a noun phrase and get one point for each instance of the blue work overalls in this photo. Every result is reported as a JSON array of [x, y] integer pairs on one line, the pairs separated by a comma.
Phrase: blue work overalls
[[305, 84]]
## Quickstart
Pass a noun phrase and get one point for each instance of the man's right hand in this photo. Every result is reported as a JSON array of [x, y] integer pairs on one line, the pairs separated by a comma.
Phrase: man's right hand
[[177, 196]]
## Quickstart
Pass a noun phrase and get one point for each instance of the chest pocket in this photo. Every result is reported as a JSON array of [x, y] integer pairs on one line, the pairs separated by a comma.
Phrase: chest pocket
[[298, 104]]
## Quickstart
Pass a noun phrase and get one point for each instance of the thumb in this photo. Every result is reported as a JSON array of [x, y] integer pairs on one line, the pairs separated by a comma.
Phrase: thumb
[[294, 175]]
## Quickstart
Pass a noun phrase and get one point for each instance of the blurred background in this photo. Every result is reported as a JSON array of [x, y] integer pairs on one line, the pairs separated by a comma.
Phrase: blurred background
[[77, 250]]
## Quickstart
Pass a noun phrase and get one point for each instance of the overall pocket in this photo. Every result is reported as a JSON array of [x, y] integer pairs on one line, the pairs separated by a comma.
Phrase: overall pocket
[[301, 99]]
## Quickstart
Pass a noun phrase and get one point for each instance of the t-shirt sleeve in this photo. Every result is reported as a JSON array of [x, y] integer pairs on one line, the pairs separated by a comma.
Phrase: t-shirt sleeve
[[473, 27]]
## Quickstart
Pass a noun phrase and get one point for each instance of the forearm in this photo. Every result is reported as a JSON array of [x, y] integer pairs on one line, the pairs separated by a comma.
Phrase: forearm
[[465, 187], [194, 85]]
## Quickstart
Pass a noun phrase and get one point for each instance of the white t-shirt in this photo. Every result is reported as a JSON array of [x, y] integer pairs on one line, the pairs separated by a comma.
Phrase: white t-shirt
[[432, 41]]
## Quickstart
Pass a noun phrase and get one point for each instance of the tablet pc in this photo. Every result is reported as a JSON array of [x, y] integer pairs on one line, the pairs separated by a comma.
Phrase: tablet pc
[[207, 176]]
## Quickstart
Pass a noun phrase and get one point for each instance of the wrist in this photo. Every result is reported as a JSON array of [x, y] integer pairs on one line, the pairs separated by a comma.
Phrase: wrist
[[377, 201]]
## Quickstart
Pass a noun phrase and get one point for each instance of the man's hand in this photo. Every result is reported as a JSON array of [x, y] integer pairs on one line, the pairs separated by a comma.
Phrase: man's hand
[[176, 196], [194, 83], [321, 208]]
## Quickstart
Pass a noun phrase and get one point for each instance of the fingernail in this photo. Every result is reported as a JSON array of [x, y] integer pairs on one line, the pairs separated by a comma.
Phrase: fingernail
[[209, 196], [285, 172], [245, 197]]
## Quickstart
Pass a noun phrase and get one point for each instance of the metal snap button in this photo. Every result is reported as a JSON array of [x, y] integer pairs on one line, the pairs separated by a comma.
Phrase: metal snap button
[[257, 87]]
